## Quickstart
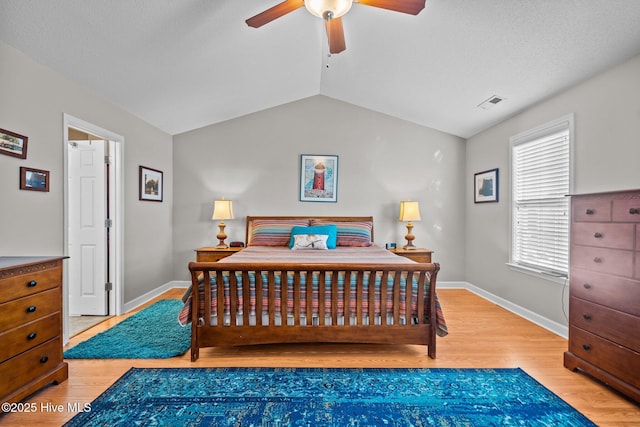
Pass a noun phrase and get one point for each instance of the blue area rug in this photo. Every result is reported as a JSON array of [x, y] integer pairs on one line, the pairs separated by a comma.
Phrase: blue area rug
[[328, 397], [152, 333]]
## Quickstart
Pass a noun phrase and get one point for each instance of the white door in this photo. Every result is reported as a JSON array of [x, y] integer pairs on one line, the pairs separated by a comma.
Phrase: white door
[[87, 231]]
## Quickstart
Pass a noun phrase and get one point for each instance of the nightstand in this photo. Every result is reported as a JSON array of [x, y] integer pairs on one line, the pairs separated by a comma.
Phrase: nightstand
[[213, 254], [418, 255]]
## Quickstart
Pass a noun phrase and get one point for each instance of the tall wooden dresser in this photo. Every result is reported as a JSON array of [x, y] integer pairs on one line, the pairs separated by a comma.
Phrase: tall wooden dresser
[[30, 325], [604, 306]]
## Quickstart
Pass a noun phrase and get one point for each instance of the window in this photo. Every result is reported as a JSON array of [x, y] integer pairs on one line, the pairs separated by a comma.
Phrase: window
[[540, 183]]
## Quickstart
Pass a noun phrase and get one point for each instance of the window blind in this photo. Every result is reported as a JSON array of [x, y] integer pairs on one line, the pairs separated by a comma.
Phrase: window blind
[[540, 212]]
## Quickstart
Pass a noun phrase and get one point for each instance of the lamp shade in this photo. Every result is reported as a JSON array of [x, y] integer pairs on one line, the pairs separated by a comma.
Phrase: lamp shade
[[337, 8], [409, 211], [222, 209]]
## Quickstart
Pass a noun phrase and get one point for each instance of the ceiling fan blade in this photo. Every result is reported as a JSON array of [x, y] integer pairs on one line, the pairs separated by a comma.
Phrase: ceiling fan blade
[[412, 7], [275, 12], [335, 35]]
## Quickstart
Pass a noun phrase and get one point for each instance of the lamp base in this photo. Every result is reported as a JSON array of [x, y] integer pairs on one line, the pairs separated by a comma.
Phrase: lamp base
[[409, 237], [221, 236]]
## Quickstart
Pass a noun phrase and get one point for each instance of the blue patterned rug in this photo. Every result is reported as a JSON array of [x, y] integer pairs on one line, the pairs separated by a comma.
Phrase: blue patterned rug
[[152, 333], [328, 397]]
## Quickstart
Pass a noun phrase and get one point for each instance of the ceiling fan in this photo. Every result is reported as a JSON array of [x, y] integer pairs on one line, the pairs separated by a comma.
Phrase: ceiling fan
[[331, 12]]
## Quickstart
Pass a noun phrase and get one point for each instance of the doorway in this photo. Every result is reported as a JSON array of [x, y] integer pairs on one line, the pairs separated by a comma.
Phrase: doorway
[[93, 242]]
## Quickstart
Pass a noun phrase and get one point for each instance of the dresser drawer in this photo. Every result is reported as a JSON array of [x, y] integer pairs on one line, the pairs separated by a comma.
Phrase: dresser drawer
[[20, 285], [29, 365], [28, 309], [20, 339], [615, 292], [607, 323], [613, 261], [626, 210], [614, 236], [592, 210], [606, 355]]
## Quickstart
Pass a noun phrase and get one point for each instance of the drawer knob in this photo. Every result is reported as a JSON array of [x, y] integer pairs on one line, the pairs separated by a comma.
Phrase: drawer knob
[[597, 260], [634, 211], [31, 309], [590, 211], [597, 235], [32, 336], [44, 359], [586, 316], [587, 286], [32, 283], [586, 346]]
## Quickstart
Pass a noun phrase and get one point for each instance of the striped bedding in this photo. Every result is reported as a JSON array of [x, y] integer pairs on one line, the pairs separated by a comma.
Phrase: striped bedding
[[340, 255]]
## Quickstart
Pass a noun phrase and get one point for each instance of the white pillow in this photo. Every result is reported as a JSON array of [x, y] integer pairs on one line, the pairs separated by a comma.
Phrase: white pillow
[[310, 241]]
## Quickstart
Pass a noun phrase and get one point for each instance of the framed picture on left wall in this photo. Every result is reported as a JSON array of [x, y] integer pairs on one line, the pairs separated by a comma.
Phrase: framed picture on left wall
[[13, 144], [150, 184], [34, 179]]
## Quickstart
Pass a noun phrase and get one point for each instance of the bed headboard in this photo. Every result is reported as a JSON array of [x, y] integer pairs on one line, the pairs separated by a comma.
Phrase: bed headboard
[[251, 219]]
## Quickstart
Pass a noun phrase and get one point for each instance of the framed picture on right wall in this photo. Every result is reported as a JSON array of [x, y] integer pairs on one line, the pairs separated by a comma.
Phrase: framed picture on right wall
[[485, 186]]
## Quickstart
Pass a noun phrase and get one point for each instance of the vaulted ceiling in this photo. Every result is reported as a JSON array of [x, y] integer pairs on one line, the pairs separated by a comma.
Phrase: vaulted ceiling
[[184, 64]]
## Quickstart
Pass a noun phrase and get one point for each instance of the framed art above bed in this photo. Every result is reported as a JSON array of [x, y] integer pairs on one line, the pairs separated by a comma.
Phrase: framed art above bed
[[318, 178]]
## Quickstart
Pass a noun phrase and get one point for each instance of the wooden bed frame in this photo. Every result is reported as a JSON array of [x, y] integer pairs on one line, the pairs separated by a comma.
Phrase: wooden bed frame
[[339, 329]]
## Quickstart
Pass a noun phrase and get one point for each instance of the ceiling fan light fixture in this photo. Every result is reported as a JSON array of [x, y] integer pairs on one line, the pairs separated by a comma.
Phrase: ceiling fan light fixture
[[332, 8]]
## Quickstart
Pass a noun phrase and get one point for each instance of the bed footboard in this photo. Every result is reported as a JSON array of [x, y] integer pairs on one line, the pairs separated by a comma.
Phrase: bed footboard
[[250, 303]]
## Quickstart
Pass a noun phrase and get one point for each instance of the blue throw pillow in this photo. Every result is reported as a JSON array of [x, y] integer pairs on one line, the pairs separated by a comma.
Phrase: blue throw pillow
[[329, 230]]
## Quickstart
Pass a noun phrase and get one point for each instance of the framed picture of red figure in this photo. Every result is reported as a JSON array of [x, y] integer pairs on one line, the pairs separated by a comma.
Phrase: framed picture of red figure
[[318, 178]]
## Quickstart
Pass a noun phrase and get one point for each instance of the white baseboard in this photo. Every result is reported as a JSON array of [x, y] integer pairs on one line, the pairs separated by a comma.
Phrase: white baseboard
[[143, 299], [550, 325], [181, 283], [453, 285]]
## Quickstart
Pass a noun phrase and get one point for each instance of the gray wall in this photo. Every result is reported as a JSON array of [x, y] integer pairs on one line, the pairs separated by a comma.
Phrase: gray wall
[[607, 155], [33, 99], [255, 161]]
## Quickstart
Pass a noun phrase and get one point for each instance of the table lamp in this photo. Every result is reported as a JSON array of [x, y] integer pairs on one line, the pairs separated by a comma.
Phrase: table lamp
[[222, 209], [409, 211]]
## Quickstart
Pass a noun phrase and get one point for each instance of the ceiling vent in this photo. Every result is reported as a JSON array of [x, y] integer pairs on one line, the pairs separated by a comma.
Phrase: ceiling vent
[[491, 102]]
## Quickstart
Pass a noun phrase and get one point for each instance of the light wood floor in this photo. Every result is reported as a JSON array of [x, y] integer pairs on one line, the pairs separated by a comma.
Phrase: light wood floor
[[482, 335]]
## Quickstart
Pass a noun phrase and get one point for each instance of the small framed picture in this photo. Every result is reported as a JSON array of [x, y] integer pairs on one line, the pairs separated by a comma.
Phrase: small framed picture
[[34, 179], [318, 178], [12, 144], [485, 186], [150, 184]]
